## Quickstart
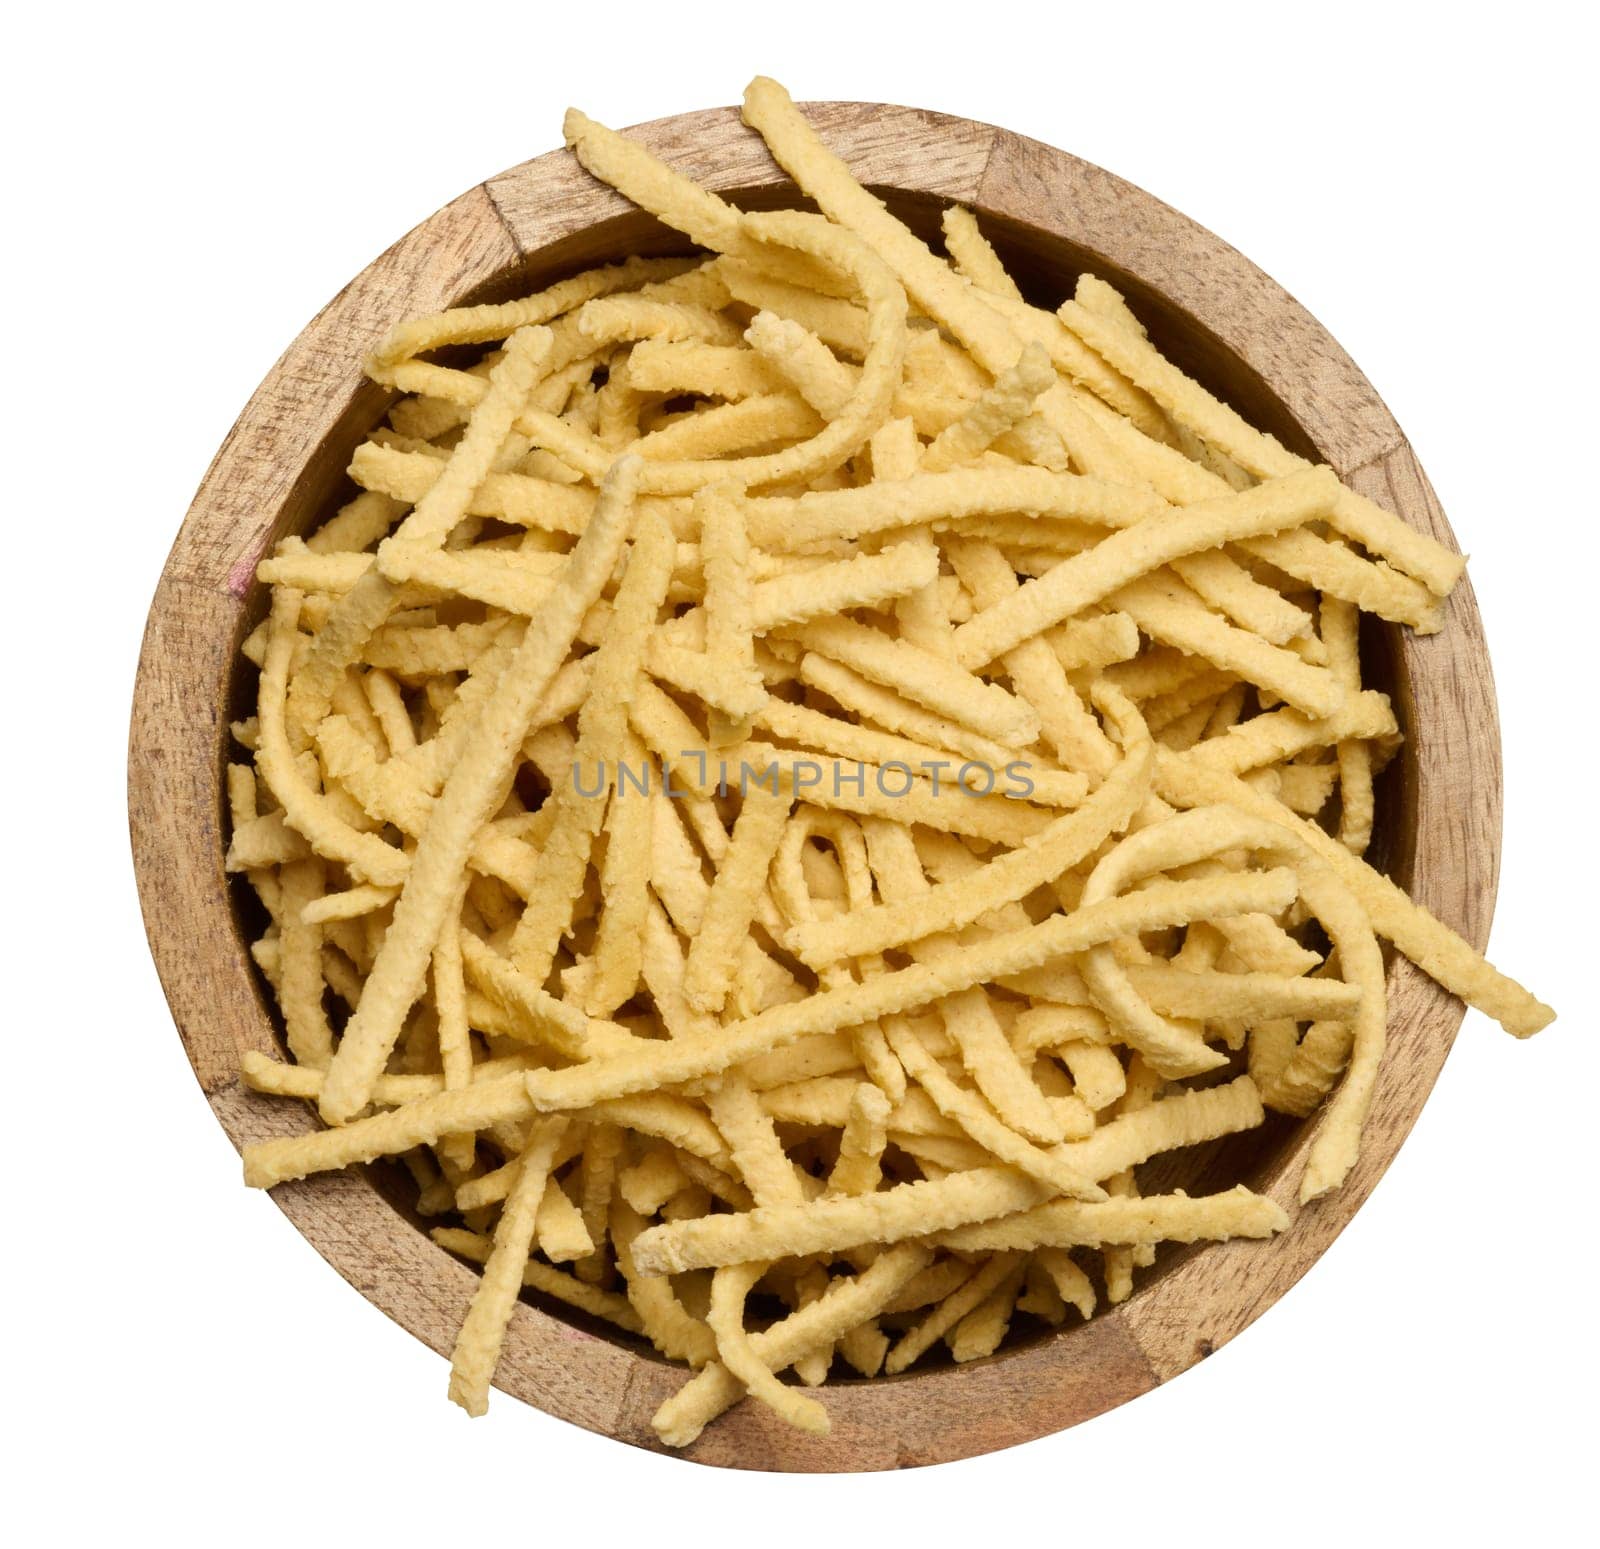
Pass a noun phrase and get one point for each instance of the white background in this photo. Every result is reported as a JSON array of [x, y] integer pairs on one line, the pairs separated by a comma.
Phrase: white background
[[188, 186]]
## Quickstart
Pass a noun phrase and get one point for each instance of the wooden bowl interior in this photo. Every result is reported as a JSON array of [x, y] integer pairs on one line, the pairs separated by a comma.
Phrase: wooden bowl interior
[[1046, 267]]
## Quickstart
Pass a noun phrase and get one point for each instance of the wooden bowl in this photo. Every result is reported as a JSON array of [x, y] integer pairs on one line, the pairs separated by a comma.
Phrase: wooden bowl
[[1050, 215]]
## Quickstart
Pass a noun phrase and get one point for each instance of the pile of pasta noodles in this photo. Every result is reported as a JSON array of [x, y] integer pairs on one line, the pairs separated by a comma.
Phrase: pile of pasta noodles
[[798, 772]]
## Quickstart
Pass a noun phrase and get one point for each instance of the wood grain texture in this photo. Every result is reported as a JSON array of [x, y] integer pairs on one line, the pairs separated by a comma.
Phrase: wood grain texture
[[1136, 234], [1050, 215], [716, 150]]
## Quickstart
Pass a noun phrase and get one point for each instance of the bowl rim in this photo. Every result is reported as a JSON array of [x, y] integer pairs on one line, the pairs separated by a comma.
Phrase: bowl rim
[[179, 738]]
